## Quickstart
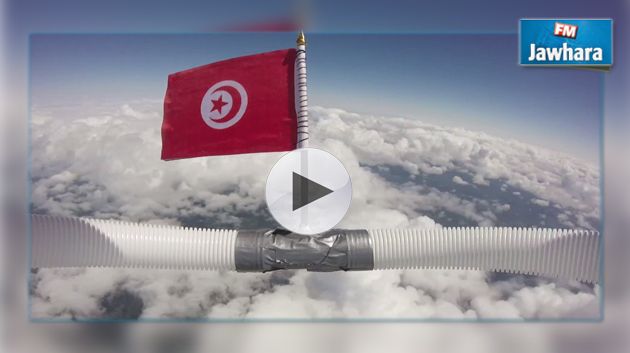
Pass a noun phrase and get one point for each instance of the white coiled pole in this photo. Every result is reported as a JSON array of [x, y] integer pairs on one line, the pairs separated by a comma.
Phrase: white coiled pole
[[571, 254], [301, 105], [302, 94], [84, 242]]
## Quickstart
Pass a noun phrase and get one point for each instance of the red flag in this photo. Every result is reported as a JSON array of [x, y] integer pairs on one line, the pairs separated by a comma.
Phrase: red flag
[[240, 105]]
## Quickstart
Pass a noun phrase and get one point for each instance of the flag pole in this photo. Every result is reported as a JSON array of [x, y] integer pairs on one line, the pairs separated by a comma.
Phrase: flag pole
[[302, 96], [302, 112]]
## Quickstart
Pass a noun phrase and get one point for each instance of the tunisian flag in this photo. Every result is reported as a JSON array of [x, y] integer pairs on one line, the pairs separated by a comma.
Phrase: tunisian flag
[[240, 105]]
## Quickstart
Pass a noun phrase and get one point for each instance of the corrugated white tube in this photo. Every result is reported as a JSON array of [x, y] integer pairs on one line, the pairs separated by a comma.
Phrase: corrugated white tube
[[571, 254], [84, 242]]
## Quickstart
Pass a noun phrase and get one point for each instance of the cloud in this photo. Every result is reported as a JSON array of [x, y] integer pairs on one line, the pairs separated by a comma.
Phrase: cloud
[[540, 202], [423, 148], [458, 180], [405, 174]]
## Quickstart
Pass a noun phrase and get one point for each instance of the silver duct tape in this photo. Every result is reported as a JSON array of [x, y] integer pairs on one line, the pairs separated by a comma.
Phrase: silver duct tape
[[279, 249]]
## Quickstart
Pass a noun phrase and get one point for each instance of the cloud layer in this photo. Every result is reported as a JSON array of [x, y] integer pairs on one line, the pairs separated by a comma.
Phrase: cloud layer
[[405, 174]]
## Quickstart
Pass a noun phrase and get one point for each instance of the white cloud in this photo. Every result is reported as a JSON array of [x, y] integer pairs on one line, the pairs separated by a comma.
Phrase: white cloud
[[540, 202], [420, 147], [458, 180], [107, 165]]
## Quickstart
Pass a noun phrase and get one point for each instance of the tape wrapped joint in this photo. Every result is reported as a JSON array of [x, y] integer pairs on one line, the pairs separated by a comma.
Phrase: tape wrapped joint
[[279, 249]]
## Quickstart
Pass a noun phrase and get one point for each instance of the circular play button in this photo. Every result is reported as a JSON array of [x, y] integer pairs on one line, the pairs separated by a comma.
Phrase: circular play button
[[308, 191]]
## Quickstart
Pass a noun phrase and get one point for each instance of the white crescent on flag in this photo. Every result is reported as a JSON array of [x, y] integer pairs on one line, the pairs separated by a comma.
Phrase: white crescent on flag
[[224, 104]]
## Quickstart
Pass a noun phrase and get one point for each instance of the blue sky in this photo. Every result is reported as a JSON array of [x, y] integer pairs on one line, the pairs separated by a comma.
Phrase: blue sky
[[469, 81]]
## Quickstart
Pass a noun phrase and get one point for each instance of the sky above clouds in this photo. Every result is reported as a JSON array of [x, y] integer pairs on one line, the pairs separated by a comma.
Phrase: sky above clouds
[[405, 173], [430, 139], [469, 81]]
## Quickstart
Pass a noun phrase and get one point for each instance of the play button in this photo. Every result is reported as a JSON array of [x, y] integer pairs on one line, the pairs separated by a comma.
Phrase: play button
[[308, 191]]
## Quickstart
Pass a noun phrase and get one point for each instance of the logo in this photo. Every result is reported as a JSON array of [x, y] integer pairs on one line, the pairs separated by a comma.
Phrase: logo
[[568, 42], [224, 104], [565, 30]]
